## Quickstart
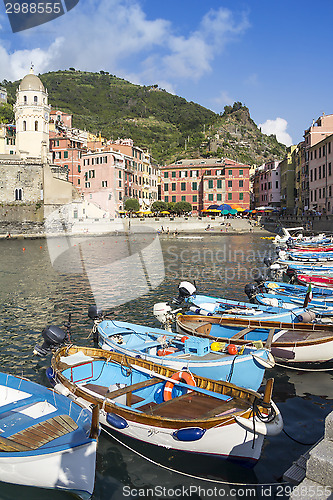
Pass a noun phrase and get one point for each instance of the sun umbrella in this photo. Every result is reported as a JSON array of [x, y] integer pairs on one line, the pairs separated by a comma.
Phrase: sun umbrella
[[165, 212], [247, 210], [224, 206], [233, 211], [213, 207], [213, 210], [225, 212]]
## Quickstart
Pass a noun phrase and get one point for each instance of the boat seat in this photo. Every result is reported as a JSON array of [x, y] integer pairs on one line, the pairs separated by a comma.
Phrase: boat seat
[[38, 435], [241, 334]]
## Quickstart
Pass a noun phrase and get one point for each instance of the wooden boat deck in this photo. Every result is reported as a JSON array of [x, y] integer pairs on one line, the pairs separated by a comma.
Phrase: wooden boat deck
[[39, 434]]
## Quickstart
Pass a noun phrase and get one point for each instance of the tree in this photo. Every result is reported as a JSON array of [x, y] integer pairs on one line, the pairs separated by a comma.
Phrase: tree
[[183, 207], [159, 206], [132, 205], [171, 207], [6, 113]]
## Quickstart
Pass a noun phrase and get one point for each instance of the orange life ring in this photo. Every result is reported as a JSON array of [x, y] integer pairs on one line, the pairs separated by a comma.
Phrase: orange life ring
[[185, 376]]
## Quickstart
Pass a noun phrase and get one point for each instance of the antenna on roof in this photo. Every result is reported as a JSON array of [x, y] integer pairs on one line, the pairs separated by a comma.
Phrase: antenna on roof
[[31, 68]]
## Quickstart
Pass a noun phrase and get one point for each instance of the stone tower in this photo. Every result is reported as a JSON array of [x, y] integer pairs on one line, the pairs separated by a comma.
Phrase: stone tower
[[32, 118]]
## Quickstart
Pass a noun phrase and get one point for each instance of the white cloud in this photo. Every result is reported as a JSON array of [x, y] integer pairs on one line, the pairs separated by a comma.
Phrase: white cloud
[[224, 99], [117, 36], [279, 128]]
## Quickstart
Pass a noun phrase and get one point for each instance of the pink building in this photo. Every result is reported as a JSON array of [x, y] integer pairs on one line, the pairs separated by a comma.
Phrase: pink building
[[103, 179], [269, 184], [318, 162], [321, 178]]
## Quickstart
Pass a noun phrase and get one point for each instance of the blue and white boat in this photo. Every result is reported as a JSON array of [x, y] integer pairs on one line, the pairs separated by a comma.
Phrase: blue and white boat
[[200, 356], [317, 306], [319, 293], [45, 438], [207, 306]]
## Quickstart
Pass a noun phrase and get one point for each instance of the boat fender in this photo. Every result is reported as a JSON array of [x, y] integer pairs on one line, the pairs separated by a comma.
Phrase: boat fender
[[116, 421], [61, 389], [232, 349], [306, 317], [217, 346], [189, 434], [184, 337], [266, 363], [185, 376], [51, 375], [272, 428]]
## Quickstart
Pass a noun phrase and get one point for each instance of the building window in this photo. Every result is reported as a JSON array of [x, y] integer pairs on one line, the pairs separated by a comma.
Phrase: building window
[[173, 199], [330, 168], [319, 172], [173, 186], [194, 186], [240, 173], [87, 184], [229, 184], [18, 194], [104, 184], [183, 198], [277, 183], [241, 196], [194, 198], [65, 154], [183, 186], [36, 126], [24, 99], [229, 196], [166, 175], [166, 199], [24, 125], [311, 176], [219, 197], [315, 174], [219, 183], [119, 184], [91, 174], [230, 172], [35, 99], [79, 168], [166, 187], [78, 182], [324, 173], [210, 197], [319, 193], [241, 184], [210, 184], [173, 174]]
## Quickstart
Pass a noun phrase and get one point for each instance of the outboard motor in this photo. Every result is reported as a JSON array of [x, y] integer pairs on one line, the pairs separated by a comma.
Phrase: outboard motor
[[267, 262], [94, 313], [251, 291], [258, 278], [53, 337], [185, 290]]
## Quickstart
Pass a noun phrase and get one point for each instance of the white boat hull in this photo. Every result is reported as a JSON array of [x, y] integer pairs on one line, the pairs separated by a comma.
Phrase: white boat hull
[[226, 442], [67, 469]]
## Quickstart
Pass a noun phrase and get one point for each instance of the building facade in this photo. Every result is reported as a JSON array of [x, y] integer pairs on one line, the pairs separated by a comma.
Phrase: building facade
[[204, 183]]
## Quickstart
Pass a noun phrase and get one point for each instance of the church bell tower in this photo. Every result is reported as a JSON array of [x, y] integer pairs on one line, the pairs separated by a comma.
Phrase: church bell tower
[[32, 114]]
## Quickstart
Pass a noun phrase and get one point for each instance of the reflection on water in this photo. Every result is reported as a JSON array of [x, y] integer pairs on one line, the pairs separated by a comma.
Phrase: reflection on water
[[34, 293]]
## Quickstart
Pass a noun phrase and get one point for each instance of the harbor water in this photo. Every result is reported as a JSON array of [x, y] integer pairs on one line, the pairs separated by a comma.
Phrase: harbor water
[[42, 282]]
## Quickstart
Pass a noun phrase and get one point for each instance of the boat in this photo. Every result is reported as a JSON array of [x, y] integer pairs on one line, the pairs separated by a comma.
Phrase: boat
[[232, 309], [46, 440], [321, 280], [293, 345], [310, 256], [320, 293], [286, 234], [155, 404], [199, 355], [319, 307]]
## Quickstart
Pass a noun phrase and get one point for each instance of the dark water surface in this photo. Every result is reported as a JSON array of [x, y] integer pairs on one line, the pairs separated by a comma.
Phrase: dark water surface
[[34, 293]]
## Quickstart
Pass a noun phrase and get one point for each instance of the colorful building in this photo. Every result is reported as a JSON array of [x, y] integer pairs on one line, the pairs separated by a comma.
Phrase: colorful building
[[203, 183]]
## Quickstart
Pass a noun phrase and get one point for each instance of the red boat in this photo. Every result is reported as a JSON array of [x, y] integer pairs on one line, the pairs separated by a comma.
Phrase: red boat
[[315, 279], [311, 249]]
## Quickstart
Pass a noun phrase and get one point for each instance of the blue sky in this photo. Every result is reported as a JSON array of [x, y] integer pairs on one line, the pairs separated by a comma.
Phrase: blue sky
[[273, 56]]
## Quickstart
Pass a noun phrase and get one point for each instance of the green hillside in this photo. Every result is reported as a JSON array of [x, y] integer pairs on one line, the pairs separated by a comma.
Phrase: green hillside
[[168, 125]]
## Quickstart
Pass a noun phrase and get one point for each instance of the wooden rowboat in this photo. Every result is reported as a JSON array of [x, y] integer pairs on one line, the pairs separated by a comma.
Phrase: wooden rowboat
[[45, 439], [291, 344], [156, 404]]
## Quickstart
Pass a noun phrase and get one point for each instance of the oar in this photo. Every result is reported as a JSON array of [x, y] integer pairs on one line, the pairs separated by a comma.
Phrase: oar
[[268, 342], [181, 384]]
